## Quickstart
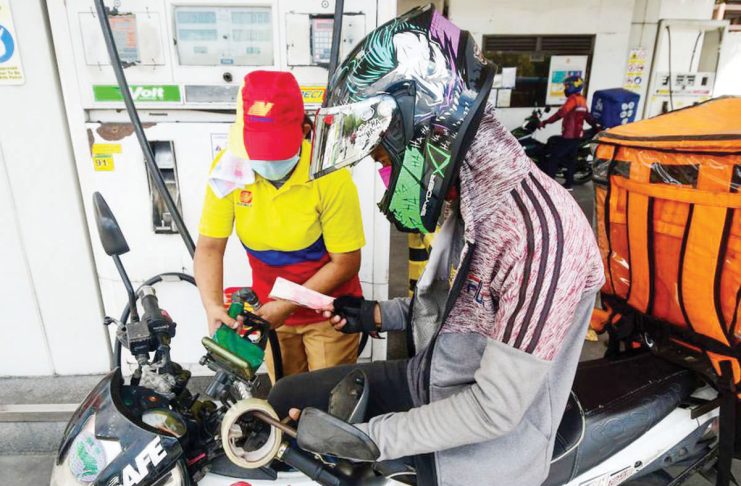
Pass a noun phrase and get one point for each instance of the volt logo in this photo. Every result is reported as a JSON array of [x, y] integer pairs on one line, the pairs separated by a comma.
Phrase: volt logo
[[148, 93], [143, 92], [152, 455]]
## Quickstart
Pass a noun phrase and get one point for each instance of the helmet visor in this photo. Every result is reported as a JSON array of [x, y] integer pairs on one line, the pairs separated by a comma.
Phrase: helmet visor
[[345, 134]]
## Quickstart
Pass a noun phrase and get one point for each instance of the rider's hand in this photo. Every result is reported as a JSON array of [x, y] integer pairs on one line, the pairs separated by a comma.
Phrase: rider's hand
[[295, 414], [541, 124], [350, 314], [276, 312], [216, 315]]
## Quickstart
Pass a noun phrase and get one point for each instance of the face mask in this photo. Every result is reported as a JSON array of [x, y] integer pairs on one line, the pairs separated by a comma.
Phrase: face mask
[[274, 170], [385, 173]]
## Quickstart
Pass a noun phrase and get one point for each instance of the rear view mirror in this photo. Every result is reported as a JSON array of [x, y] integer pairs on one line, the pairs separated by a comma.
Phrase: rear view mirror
[[111, 237], [348, 400], [322, 433]]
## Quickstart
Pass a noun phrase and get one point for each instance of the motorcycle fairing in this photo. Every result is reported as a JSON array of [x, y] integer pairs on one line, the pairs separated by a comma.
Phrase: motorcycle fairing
[[114, 421]]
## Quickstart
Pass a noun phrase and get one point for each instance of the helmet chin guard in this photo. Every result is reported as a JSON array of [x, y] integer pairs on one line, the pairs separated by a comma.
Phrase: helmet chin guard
[[439, 82]]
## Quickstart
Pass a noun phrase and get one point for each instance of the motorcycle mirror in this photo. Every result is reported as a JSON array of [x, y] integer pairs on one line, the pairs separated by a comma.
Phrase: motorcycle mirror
[[348, 400], [322, 433], [111, 237]]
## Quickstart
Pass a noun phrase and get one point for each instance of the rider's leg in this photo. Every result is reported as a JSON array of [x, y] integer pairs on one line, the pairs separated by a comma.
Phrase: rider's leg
[[569, 160], [553, 155], [389, 391]]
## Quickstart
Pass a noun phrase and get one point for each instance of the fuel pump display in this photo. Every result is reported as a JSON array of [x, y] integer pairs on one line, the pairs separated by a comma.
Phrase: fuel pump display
[[239, 36]]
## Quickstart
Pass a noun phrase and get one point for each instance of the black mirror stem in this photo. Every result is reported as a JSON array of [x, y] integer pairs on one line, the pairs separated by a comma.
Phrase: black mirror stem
[[129, 287]]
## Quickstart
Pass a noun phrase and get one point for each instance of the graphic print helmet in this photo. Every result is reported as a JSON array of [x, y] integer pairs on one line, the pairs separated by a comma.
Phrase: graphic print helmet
[[417, 85], [573, 84]]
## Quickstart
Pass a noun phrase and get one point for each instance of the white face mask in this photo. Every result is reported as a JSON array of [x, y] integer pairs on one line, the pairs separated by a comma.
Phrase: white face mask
[[275, 170]]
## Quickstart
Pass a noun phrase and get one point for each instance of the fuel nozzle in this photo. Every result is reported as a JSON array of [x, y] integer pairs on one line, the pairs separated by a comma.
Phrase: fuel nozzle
[[249, 297], [243, 296]]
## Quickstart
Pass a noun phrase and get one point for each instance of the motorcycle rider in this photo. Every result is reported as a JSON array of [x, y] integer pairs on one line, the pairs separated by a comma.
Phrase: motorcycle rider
[[563, 149], [499, 315]]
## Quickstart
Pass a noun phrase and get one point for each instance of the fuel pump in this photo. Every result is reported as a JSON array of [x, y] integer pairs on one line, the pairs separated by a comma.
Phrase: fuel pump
[[183, 61]]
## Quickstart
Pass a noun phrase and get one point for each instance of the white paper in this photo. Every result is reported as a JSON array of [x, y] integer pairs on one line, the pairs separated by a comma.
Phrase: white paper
[[509, 77], [503, 98]]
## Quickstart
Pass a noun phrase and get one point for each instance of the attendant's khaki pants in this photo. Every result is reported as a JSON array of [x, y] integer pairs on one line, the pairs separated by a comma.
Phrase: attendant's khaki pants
[[311, 347]]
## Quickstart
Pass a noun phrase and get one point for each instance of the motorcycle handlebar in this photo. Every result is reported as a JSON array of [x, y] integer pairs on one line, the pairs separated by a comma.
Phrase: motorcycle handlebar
[[149, 302], [311, 467]]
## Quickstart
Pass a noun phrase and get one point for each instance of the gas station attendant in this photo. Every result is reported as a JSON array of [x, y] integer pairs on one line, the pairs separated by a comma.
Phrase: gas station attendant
[[309, 232]]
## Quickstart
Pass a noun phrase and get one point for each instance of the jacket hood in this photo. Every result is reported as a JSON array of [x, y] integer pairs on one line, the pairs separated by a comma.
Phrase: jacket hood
[[494, 164]]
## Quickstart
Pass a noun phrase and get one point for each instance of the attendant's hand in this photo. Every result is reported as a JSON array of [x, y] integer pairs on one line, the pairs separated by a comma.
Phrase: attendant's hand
[[217, 315], [276, 312]]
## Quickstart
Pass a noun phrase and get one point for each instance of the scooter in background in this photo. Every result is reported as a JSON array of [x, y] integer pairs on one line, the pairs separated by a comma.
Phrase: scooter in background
[[539, 152], [629, 418]]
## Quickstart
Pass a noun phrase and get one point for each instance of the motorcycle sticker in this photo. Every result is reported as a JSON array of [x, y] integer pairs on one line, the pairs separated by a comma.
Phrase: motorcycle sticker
[[88, 458], [152, 454]]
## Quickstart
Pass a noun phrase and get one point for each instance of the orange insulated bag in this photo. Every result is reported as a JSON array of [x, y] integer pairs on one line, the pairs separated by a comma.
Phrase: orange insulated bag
[[668, 216]]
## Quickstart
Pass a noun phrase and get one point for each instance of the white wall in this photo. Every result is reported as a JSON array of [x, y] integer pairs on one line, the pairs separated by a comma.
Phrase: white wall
[[608, 20], [48, 291], [728, 81]]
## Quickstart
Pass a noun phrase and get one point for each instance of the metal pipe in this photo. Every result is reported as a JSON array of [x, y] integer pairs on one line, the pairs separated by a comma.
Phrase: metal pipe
[[123, 85], [289, 431], [334, 54]]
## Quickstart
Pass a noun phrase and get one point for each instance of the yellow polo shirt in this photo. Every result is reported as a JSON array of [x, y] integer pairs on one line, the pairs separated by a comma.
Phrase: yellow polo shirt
[[292, 218]]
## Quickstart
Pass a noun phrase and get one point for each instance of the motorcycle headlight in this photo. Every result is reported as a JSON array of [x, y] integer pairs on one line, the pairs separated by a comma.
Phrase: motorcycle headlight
[[85, 459], [165, 421]]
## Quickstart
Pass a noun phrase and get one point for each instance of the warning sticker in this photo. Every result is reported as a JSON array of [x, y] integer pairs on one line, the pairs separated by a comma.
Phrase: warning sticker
[[11, 71]]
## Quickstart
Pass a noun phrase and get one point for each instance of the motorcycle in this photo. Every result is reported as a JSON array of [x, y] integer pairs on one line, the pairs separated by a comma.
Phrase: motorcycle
[[539, 152], [628, 418]]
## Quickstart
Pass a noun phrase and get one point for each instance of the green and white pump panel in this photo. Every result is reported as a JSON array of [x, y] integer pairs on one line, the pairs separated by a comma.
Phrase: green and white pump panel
[[184, 61]]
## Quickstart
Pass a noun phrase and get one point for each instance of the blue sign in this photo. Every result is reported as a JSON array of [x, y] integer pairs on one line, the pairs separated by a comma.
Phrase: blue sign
[[7, 46]]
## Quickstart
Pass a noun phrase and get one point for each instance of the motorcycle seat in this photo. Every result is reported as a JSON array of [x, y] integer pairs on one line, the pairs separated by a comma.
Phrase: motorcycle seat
[[612, 403]]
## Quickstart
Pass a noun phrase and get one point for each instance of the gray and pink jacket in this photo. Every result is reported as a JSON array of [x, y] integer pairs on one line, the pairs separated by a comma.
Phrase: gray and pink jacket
[[498, 320]]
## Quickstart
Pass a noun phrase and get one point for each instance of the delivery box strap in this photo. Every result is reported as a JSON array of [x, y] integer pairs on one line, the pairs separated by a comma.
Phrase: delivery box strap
[[657, 327], [680, 194]]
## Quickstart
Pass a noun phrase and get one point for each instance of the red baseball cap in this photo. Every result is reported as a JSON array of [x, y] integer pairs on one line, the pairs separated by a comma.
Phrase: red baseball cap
[[272, 115]]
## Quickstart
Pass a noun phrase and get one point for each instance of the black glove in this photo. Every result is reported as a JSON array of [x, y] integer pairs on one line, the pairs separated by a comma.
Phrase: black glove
[[358, 313]]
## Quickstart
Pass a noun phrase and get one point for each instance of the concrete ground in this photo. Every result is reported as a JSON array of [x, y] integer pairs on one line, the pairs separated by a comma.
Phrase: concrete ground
[[27, 467]]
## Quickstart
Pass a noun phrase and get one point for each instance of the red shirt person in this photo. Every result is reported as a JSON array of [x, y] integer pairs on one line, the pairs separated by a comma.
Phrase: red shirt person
[[574, 112]]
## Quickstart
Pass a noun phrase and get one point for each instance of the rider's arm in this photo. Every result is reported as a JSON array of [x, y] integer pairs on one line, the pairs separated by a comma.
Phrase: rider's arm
[[506, 383], [562, 112], [394, 314]]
